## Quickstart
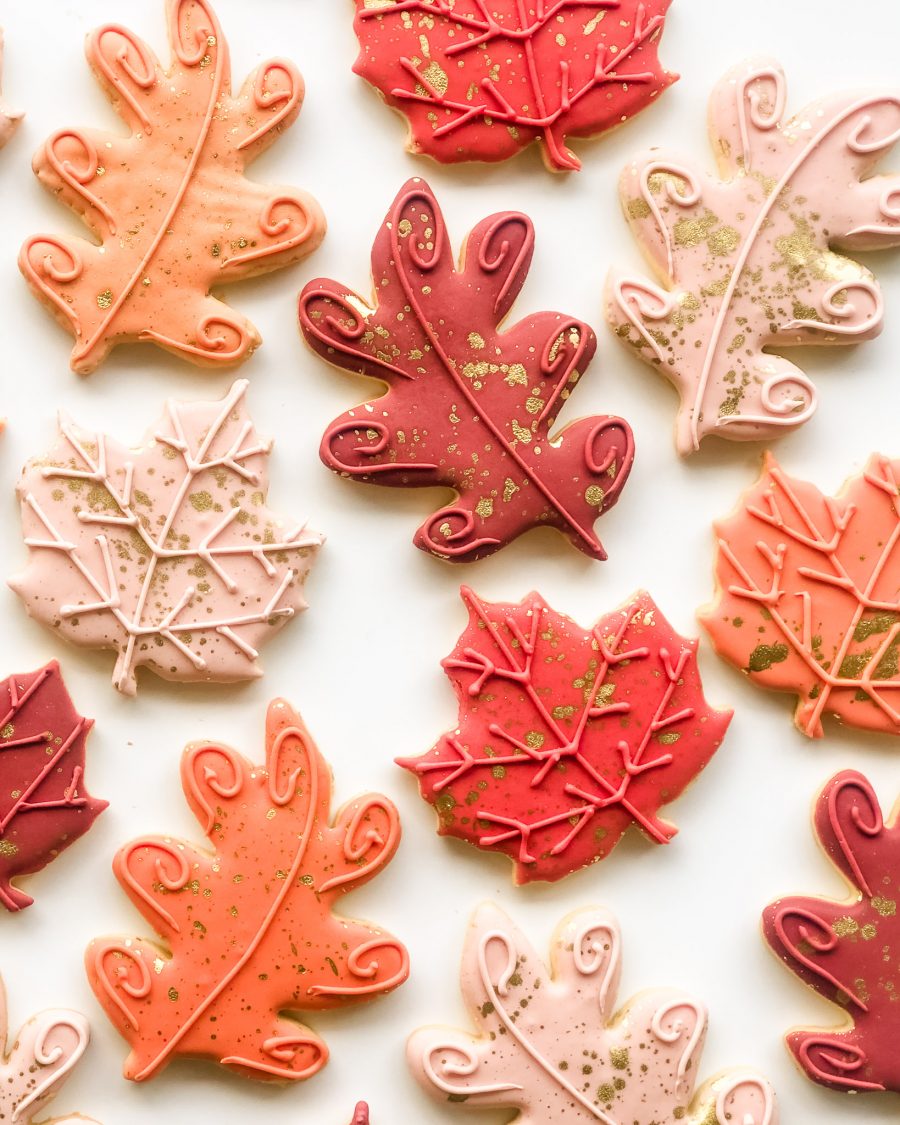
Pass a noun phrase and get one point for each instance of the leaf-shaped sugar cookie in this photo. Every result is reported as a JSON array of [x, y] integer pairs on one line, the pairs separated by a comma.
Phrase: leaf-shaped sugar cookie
[[9, 118], [44, 803], [470, 406], [567, 736], [808, 597], [166, 553], [47, 1048], [169, 203], [750, 260], [249, 930], [548, 1043], [482, 81], [843, 949]]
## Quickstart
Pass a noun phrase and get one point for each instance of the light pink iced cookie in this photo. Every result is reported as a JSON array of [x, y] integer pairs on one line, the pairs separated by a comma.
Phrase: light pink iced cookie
[[165, 553], [9, 118], [45, 1051], [749, 258], [549, 1045]]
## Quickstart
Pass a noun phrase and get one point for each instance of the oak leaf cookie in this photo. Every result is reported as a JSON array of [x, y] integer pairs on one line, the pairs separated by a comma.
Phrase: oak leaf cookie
[[808, 595], [44, 804], [469, 406], [567, 736], [248, 926], [47, 1048], [751, 261], [166, 553], [550, 1045], [482, 82], [9, 118], [169, 204], [843, 949]]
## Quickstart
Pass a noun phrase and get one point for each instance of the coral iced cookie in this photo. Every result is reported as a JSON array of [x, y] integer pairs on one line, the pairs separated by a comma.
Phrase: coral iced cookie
[[248, 926], [169, 203], [567, 736], [751, 260], [808, 597], [44, 804], [481, 81], [469, 406], [47, 1048], [549, 1045], [166, 553], [9, 118], [844, 950]]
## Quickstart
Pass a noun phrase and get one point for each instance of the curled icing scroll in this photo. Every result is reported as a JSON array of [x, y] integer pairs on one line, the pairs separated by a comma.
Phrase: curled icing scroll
[[123, 975], [210, 773], [371, 836], [170, 873]]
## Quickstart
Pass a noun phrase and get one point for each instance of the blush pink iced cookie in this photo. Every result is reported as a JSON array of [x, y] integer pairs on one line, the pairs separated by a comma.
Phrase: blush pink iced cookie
[[166, 553], [751, 260], [44, 1052], [550, 1044]]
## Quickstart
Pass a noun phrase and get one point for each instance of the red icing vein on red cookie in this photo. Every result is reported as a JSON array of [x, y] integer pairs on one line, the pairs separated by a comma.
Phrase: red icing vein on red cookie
[[809, 595], [44, 805], [481, 80], [469, 406], [842, 949], [249, 929], [169, 202], [567, 735]]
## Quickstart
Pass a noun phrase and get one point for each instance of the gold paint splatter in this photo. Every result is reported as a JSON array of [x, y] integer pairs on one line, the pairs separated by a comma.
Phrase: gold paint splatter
[[104, 299]]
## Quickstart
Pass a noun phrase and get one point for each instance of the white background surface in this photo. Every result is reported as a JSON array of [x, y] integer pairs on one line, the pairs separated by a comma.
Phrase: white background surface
[[362, 663]]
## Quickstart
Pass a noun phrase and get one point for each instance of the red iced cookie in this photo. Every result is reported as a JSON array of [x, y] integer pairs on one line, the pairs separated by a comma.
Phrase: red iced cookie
[[567, 735], [469, 406], [44, 806], [481, 81], [847, 950]]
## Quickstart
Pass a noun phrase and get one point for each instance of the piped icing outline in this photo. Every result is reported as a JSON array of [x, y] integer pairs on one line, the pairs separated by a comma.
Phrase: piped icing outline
[[746, 259], [468, 406], [157, 287]]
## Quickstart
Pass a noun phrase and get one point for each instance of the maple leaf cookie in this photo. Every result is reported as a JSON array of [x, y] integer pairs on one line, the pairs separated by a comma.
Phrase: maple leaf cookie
[[481, 81], [808, 598], [567, 736], [166, 553], [844, 949], [470, 405], [248, 928], [550, 1045], [168, 203], [753, 260]]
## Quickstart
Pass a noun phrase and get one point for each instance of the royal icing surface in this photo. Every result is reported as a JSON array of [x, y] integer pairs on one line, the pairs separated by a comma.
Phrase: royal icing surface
[[808, 596], [169, 203], [248, 930], [44, 804], [751, 260], [548, 1044], [567, 736], [166, 553], [845, 950], [469, 406], [9, 118], [482, 80], [45, 1051]]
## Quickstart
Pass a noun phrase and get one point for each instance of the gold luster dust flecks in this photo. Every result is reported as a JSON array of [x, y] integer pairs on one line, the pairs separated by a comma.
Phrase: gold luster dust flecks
[[104, 299]]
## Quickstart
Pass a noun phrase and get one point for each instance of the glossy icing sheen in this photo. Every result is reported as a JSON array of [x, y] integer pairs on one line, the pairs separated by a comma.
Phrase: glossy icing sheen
[[469, 406], [9, 118], [549, 1045], [481, 80], [165, 553], [47, 1048], [248, 929], [169, 203], [566, 735], [845, 950], [808, 595], [44, 805], [747, 258]]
